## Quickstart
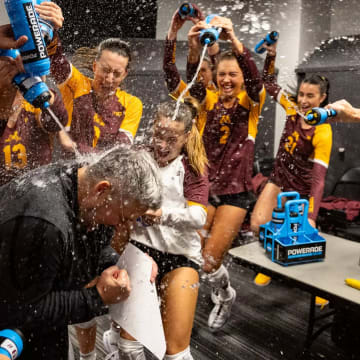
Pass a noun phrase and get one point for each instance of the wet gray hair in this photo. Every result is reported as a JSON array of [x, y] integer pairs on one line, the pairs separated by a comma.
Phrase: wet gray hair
[[133, 173]]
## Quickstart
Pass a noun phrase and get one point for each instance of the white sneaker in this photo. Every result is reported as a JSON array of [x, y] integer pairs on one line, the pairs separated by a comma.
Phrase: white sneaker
[[215, 295], [221, 311], [113, 356], [111, 348]]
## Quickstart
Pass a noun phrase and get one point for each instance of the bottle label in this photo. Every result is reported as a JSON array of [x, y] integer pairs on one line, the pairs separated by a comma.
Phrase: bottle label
[[39, 52], [10, 347]]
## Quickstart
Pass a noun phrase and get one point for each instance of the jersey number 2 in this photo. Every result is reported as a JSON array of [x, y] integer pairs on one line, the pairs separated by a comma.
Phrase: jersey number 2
[[225, 119]]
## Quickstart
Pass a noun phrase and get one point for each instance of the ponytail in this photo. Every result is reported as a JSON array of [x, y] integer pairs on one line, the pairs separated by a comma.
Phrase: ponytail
[[196, 151], [195, 147], [187, 113]]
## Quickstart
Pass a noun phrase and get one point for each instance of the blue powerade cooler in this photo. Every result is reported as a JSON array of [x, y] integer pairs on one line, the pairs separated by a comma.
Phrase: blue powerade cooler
[[288, 238]]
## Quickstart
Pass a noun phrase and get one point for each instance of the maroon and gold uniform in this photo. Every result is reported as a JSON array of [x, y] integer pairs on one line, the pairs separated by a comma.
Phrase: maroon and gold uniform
[[92, 125], [304, 154], [28, 144], [229, 134], [175, 84]]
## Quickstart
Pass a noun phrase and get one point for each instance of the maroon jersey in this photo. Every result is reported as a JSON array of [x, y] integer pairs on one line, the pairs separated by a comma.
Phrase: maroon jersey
[[304, 153], [172, 77], [92, 125], [29, 143], [229, 134], [196, 187]]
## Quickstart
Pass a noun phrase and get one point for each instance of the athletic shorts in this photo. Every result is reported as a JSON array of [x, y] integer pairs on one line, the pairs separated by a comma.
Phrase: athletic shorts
[[243, 200], [166, 262]]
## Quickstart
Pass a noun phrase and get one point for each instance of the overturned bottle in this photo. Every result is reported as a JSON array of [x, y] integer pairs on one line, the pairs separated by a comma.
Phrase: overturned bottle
[[24, 21], [318, 116], [187, 9], [210, 36], [270, 38], [33, 89]]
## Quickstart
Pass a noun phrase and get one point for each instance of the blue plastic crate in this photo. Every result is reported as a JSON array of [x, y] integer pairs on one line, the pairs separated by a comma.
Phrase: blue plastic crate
[[289, 238]]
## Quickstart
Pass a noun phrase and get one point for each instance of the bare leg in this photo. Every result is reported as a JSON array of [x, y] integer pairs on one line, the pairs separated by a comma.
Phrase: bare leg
[[86, 335], [226, 225], [264, 206], [179, 292], [204, 232]]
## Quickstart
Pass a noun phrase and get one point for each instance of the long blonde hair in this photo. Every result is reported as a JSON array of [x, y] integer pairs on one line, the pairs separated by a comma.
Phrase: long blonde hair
[[194, 146]]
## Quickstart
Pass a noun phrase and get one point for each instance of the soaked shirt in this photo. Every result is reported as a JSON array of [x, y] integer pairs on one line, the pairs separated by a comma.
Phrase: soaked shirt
[[185, 195], [229, 133], [93, 125], [28, 144], [304, 154], [47, 255]]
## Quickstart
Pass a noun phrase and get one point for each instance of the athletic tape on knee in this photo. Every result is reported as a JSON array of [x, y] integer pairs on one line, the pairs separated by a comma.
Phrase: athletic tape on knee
[[219, 278], [87, 324], [130, 350], [183, 355]]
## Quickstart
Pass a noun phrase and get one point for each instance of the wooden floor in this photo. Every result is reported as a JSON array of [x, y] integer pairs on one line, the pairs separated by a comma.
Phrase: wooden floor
[[266, 323]]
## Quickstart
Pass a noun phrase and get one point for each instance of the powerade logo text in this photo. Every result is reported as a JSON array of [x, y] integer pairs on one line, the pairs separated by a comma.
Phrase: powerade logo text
[[306, 251], [36, 32]]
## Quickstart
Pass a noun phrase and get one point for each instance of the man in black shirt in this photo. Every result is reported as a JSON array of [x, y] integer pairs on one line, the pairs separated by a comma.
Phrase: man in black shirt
[[56, 225]]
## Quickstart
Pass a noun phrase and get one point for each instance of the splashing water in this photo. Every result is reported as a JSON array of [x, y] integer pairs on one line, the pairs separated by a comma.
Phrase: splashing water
[[77, 154], [190, 83], [295, 106]]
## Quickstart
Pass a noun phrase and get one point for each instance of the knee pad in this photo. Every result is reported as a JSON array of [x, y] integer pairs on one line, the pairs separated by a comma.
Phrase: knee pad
[[183, 355], [130, 350], [87, 324], [219, 278]]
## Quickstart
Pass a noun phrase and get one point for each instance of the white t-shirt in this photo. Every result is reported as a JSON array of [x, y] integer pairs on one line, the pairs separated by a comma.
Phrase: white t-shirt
[[184, 203]]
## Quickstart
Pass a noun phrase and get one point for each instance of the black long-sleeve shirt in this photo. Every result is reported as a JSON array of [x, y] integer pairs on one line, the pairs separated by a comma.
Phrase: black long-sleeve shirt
[[44, 270]]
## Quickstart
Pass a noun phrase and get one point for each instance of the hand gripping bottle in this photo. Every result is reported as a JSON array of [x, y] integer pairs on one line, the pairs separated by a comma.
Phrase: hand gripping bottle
[[269, 39], [186, 9], [33, 89], [209, 36], [317, 115], [11, 343], [46, 26], [24, 21]]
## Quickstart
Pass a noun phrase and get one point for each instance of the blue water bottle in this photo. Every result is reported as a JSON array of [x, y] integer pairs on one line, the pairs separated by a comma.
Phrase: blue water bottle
[[317, 115], [24, 21], [278, 219], [33, 89], [269, 39], [11, 343], [47, 28], [186, 9], [209, 36]]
